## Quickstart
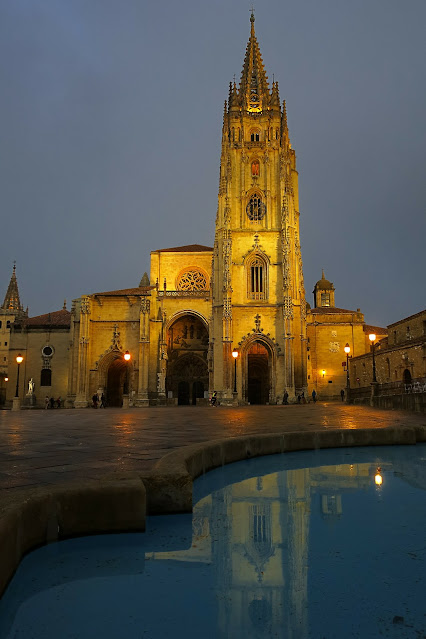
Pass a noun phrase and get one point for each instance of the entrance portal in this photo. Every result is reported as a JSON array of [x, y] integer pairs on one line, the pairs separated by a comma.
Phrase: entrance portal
[[258, 383], [116, 381], [187, 370]]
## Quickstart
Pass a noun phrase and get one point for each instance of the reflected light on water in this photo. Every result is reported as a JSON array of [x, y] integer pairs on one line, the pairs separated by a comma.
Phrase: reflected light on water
[[378, 479]]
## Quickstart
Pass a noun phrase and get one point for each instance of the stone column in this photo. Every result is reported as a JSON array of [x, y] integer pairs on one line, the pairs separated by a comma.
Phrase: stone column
[[82, 400], [142, 397]]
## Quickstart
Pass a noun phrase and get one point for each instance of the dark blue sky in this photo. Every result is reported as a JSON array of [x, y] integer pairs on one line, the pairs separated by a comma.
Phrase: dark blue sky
[[111, 118]]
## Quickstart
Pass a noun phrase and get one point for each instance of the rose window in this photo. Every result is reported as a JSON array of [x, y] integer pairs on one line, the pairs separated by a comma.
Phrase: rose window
[[192, 280]]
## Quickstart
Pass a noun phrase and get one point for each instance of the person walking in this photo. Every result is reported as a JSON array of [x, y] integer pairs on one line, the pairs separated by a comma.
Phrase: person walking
[[102, 404], [95, 400], [285, 398], [214, 398], [46, 402], [314, 396], [342, 395]]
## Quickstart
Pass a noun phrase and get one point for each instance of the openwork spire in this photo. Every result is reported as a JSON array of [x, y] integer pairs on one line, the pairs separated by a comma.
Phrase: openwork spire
[[11, 300], [254, 88]]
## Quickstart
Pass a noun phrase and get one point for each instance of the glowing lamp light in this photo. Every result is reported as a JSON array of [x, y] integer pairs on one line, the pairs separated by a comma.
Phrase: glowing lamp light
[[127, 356], [372, 337], [323, 373], [6, 379], [378, 479], [235, 353], [19, 359], [347, 349]]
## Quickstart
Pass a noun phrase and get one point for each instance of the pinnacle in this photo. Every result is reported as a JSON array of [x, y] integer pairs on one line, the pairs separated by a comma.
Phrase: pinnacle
[[11, 300]]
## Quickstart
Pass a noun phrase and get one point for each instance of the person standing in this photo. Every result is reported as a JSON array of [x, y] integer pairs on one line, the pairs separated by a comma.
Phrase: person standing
[[285, 398], [95, 400], [46, 402], [102, 404], [342, 395], [314, 396]]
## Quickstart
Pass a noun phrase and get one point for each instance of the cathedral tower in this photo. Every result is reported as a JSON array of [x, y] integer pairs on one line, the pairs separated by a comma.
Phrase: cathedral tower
[[259, 306]]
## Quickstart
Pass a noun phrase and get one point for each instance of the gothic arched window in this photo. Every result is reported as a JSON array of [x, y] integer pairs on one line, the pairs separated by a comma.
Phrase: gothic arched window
[[257, 279], [255, 135]]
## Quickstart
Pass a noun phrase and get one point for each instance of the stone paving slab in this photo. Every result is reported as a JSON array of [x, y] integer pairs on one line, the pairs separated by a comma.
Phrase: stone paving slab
[[43, 448]]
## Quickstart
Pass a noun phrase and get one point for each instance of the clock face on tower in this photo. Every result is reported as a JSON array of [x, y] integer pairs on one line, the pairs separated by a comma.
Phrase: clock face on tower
[[255, 209]]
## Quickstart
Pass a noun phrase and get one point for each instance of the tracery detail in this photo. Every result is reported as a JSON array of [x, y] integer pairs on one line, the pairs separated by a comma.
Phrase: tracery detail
[[192, 280]]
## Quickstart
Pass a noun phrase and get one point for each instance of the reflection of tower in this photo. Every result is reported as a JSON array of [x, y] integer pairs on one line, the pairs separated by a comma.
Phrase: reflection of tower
[[298, 483], [261, 560]]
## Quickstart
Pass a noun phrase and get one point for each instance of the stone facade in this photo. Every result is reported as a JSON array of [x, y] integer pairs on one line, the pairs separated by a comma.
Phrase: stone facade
[[400, 360], [43, 342]]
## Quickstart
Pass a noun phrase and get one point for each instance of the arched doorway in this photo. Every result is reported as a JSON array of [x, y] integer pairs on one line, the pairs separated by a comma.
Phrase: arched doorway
[[187, 379], [258, 377], [187, 371], [117, 382], [406, 376]]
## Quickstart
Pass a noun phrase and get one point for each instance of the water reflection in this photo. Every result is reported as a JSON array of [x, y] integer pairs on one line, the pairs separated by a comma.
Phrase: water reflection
[[256, 535], [299, 546]]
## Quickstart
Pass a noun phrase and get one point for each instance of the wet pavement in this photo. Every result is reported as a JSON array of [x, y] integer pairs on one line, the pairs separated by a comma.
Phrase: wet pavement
[[45, 447]]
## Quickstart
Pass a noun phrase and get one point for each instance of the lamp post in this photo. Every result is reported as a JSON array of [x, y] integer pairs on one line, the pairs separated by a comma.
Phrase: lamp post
[[127, 358], [15, 402], [19, 360], [372, 338], [235, 356], [347, 350]]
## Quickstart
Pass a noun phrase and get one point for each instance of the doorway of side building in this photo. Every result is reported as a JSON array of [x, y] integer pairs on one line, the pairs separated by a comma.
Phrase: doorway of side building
[[117, 378], [407, 376], [258, 375]]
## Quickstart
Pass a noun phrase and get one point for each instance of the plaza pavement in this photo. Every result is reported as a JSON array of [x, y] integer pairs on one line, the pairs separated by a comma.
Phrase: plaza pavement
[[45, 447]]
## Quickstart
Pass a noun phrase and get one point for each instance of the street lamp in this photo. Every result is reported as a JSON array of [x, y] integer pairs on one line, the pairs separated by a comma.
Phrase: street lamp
[[235, 355], [347, 350], [19, 360], [127, 358], [372, 338], [323, 373]]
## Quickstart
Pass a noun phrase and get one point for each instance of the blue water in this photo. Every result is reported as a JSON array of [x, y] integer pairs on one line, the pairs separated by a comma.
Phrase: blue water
[[301, 546]]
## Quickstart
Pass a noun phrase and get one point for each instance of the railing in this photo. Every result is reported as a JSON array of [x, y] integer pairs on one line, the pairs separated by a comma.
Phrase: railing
[[163, 293]]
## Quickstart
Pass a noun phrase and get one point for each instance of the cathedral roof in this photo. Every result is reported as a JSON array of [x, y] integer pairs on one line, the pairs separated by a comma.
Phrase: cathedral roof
[[57, 319], [12, 302], [140, 290], [190, 248]]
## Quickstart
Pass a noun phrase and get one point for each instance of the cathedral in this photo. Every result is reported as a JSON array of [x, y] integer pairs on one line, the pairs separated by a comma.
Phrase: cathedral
[[231, 318]]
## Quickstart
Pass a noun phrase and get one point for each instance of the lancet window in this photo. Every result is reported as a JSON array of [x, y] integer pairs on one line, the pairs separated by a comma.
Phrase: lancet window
[[257, 278], [255, 136]]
